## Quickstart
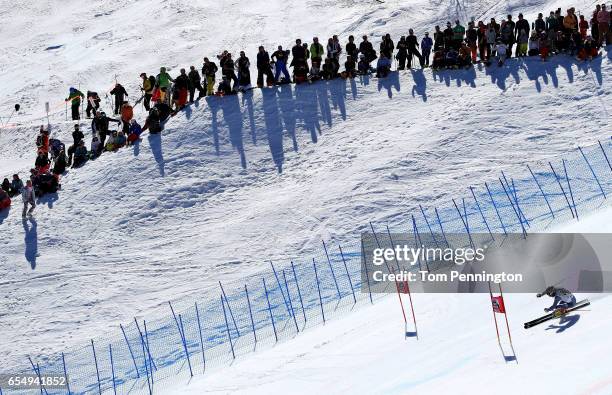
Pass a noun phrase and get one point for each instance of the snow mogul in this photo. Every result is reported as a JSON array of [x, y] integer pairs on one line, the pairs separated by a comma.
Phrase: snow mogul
[[563, 298]]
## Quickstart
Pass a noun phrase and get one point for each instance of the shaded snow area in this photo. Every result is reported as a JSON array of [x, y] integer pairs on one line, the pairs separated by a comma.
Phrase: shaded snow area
[[237, 181]]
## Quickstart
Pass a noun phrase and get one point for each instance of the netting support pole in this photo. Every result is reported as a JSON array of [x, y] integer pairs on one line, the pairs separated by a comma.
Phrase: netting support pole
[[332, 270], [593, 172], [604, 154], [314, 264], [495, 207], [229, 335], [290, 303], [481, 213], [201, 339], [441, 227], [365, 266], [229, 308], [131, 352], [569, 187], [418, 238], [246, 291], [347, 272], [110, 352], [270, 309], [465, 224], [297, 284], [149, 386], [280, 287], [146, 345], [66, 373], [428, 225], [37, 372], [569, 206], [518, 216], [179, 325], [541, 191], [96, 363], [514, 195], [151, 362]]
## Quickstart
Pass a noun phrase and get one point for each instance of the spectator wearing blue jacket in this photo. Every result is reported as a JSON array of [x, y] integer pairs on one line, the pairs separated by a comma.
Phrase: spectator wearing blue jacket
[[426, 45], [280, 58]]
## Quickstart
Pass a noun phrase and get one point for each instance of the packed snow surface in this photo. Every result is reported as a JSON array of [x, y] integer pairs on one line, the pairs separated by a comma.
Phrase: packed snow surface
[[366, 352], [168, 218]]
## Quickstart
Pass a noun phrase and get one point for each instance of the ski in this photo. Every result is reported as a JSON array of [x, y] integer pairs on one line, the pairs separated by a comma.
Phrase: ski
[[556, 314]]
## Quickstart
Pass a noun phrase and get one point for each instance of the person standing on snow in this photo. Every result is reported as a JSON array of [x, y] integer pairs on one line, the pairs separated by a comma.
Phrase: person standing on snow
[[563, 298], [263, 68], [29, 198], [99, 126], [458, 34], [438, 38], [603, 25], [93, 103], [162, 81], [412, 43], [181, 85], [387, 46], [334, 49], [299, 54], [244, 73], [209, 69], [74, 97], [77, 137], [227, 68], [281, 63], [471, 37], [148, 84], [351, 48], [120, 94], [521, 24], [316, 53], [366, 48], [426, 45], [195, 83], [402, 53]]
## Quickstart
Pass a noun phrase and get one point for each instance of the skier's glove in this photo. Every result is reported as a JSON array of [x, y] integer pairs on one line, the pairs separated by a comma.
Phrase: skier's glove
[[539, 295]]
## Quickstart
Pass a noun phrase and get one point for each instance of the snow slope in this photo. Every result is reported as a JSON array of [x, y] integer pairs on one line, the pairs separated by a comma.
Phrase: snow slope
[[167, 219], [457, 352]]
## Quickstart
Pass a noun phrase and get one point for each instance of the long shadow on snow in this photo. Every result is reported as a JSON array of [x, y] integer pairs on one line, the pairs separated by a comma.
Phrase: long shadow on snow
[[282, 112], [4, 214], [540, 72], [156, 148], [30, 241]]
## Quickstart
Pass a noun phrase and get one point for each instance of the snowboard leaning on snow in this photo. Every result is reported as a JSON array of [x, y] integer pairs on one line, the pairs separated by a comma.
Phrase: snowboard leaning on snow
[[557, 314]]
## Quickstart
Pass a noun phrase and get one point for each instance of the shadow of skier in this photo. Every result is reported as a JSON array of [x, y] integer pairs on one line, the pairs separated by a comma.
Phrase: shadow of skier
[[565, 323]]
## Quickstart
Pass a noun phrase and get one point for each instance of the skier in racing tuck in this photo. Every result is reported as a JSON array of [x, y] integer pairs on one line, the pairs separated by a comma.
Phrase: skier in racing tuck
[[563, 298]]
